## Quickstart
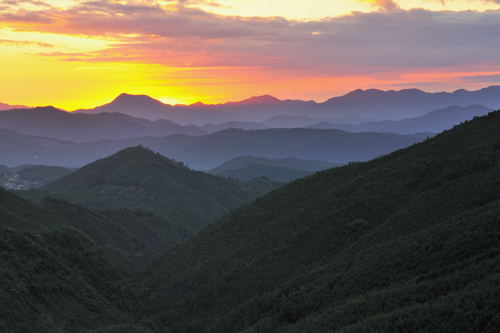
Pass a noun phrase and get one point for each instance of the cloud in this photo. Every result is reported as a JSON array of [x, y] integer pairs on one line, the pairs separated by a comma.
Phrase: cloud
[[493, 78], [388, 5], [379, 42], [25, 43]]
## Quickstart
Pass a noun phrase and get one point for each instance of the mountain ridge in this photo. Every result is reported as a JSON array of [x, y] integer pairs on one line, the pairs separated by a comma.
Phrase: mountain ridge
[[355, 106]]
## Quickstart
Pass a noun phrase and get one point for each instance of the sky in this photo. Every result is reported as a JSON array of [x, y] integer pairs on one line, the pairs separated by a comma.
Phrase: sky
[[79, 54]]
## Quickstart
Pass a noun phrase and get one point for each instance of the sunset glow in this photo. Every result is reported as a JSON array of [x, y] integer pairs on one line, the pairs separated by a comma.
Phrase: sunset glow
[[78, 54]]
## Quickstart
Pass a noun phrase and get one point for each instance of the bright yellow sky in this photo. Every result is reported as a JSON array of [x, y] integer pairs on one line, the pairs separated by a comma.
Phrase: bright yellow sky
[[33, 73], [317, 9]]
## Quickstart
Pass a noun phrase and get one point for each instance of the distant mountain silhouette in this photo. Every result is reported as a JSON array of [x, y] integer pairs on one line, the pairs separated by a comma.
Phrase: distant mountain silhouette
[[432, 122], [18, 149], [139, 178], [211, 128], [287, 169], [396, 105], [288, 162], [291, 121], [355, 107], [141, 106], [208, 151], [4, 106], [275, 173], [55, 123], [257, 100], [253, 109]]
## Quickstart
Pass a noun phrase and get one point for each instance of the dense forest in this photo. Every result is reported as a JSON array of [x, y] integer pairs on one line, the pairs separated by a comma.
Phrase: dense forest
[[407, 242]]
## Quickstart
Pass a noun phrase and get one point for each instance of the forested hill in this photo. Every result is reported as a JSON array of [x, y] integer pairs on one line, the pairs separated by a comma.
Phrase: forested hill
[[139, 178], [406, 242], [54, 278]]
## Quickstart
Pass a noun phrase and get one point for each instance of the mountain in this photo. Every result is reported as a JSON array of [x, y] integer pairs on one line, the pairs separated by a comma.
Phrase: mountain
[[291, 121], [334, 146], [54, 278], [281, 170], [407, 242], [432, 122], [140, 106], [257, 100], [58, 124], [4, 106], [254, 109], [30, 176], [208, 151], [407, 103], [355, 107], [288, 162], [138, 178], [18, 149], [130, 238], [212, 128], [277, 174]]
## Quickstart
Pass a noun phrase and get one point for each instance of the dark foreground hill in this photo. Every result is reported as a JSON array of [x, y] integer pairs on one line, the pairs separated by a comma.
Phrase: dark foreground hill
[[55, 278], [405, 243], [408, 242], [139, 178]]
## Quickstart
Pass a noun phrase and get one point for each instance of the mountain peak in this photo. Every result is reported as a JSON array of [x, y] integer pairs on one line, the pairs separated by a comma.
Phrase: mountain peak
[[257, 100], [48, 108], [130, 99], [139, 152]]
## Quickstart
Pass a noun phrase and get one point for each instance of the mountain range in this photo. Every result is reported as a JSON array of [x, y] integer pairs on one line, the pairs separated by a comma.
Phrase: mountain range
[[54, 123], [355, 107], [287, 169], [4, 106], [124, 117], [138, 178], [407, 242], [433, 122], [208, 151]]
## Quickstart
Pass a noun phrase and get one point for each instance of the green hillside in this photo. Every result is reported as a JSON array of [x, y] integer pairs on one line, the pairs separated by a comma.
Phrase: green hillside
[[52, 277], [138, 178], [131, 239], [288, 162], [278, 174], [408, 242]]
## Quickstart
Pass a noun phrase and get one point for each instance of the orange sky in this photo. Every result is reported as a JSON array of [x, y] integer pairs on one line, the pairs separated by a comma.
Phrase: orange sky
[[77, 54]]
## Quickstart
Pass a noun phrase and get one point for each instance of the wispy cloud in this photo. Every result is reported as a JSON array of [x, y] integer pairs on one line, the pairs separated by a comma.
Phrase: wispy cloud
[[377, 41], [25, 43]]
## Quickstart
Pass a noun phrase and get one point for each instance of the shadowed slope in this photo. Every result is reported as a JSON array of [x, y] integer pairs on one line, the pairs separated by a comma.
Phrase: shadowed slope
[[406, 242]]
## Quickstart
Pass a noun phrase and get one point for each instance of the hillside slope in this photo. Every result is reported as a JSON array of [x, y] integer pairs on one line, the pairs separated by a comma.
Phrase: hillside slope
[[406, 242], [54, 278], [141, 179], [275, 173], [287, 162]]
